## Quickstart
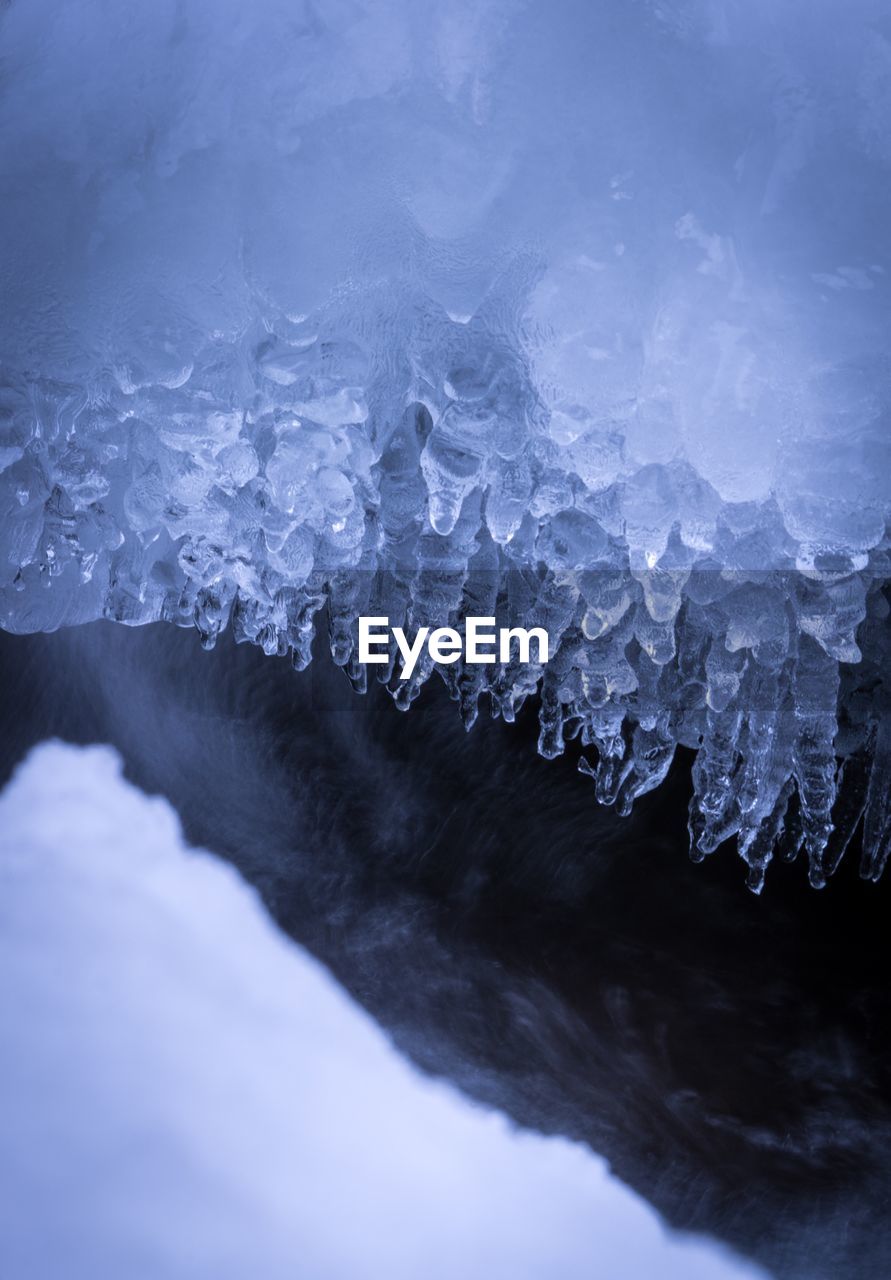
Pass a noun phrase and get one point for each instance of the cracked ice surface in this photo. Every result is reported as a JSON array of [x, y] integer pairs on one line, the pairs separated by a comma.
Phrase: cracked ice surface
[[573, 314]]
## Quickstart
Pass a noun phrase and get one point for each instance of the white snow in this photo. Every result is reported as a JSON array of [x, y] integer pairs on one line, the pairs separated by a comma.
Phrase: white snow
[[185, 1093]]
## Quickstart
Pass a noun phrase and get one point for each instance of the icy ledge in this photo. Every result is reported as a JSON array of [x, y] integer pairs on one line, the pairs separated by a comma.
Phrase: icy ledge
[[575, 314], [674, 619]]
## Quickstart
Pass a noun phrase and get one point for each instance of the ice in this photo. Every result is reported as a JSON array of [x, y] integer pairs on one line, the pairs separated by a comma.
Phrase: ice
[[574, 316]]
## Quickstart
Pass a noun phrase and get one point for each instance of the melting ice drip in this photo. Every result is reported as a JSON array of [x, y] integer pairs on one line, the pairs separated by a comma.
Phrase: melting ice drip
[[274, 477], [571, 314]]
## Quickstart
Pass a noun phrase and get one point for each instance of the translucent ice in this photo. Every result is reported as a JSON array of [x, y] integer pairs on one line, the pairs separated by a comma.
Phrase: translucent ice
[[576, 314]]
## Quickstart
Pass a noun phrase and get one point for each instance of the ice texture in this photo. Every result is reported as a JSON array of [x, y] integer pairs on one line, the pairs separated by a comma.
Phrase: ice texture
[[573, 314]]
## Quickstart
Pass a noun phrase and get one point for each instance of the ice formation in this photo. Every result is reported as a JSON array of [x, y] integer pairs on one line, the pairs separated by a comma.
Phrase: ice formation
[[575, 315]]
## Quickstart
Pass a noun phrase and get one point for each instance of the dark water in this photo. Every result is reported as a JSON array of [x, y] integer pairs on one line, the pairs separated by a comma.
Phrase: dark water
[[730, 1056]]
